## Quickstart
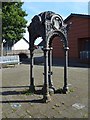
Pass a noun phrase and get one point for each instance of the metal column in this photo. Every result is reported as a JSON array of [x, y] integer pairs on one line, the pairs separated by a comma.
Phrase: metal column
[[46, 96], [32, 71], [65, 88], [50, 69]]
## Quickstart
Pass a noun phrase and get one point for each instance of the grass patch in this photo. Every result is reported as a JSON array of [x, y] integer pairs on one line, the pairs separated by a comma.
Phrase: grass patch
[[27, 92], [71, 90], [61, 91]]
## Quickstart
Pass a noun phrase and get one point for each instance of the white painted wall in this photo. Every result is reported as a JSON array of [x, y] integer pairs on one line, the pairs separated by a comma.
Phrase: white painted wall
[[20, 45]]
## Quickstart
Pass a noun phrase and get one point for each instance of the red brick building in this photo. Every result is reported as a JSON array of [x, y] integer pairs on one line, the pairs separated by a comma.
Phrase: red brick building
[[78, 38]]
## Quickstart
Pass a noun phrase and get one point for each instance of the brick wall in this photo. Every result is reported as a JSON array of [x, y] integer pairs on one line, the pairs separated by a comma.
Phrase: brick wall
[[57, 48], [79, 29]]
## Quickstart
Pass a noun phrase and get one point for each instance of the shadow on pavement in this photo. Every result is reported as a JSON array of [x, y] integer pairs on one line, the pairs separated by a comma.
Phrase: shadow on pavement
[[24, 101], [14, 87], [5, 93], [26, 92], [23, 92], [38, 91]]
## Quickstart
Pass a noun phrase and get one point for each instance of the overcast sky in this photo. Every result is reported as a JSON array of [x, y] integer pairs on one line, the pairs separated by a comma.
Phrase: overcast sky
[[62, 8]]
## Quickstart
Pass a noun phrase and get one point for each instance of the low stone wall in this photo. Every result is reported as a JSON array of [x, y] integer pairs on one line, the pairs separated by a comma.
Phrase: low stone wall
[[17, 52], [27, 52]]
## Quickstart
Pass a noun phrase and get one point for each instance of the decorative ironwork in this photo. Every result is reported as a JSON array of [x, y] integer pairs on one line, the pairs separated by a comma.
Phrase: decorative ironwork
[[48, 25]]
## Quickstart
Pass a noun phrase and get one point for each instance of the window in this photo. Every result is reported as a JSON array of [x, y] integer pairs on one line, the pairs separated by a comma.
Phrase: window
[[87, 45]]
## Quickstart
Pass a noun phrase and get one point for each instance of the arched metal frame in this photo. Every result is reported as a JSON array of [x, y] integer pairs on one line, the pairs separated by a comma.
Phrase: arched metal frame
[[47, 25]]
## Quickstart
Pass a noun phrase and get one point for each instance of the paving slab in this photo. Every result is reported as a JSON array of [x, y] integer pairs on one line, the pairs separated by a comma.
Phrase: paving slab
[[16, 103]]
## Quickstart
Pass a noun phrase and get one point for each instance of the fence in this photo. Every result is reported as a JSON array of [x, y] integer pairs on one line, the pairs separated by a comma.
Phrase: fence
[[9, 59]]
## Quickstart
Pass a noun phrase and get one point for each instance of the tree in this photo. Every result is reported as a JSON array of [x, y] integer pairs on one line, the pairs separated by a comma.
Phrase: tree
[[13, 22]]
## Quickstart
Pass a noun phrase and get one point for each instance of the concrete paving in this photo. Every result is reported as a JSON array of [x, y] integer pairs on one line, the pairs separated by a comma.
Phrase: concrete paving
[[17, 102]]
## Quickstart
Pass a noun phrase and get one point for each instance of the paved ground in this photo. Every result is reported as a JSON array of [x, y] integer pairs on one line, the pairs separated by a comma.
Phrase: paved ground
[[17, 102]]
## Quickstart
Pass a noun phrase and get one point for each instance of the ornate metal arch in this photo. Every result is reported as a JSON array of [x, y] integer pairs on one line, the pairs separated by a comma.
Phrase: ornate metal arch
[[59, 34], [48, 25]]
